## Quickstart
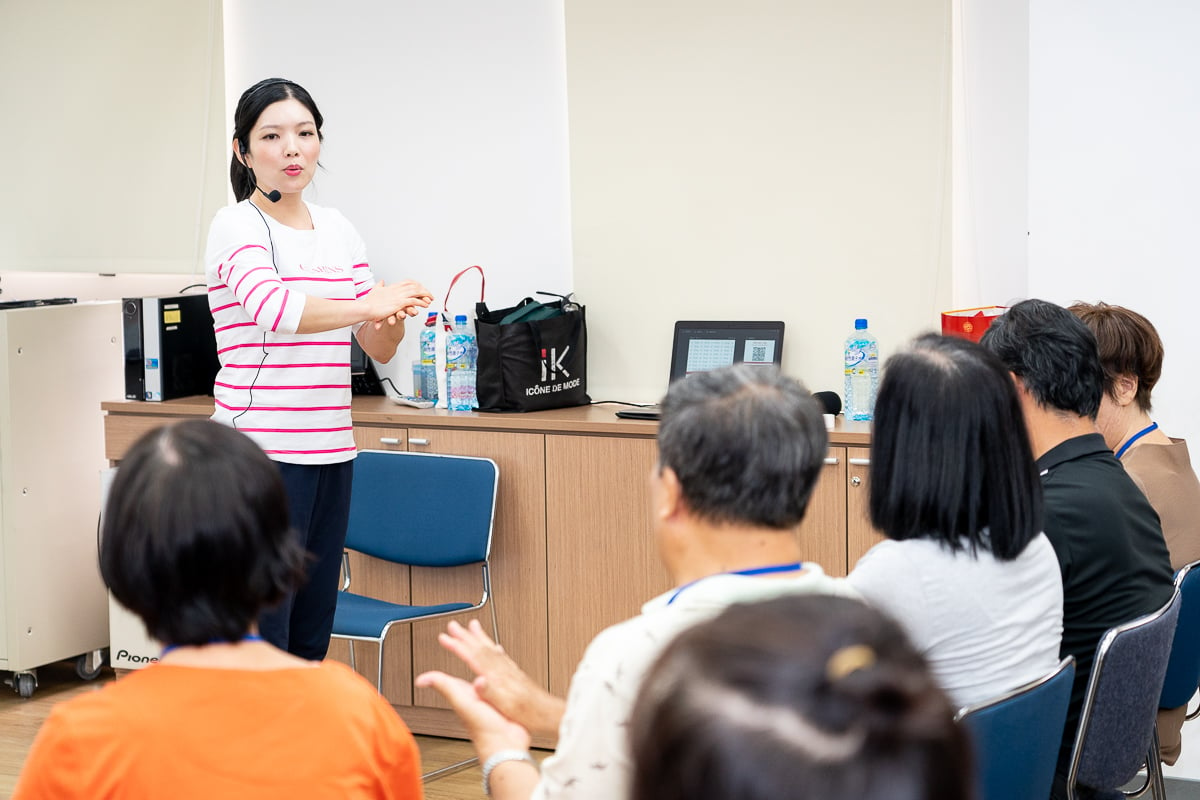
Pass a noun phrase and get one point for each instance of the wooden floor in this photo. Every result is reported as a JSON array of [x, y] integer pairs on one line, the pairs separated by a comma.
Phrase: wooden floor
[[20, 720]]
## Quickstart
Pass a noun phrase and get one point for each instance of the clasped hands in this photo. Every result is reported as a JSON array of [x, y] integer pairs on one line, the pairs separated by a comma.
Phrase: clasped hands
[[392, 303]]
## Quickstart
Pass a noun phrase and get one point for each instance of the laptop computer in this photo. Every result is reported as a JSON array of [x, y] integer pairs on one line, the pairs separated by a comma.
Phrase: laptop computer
[[701, 345]]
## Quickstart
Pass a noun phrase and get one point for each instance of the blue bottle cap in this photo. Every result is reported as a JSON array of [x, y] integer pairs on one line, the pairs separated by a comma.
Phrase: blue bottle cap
[[860, 324], [461, 319]]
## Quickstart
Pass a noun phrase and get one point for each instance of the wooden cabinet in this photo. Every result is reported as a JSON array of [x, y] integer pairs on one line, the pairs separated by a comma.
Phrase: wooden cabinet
[[823, 532], [573, 550], [861, 536], [601, 557]]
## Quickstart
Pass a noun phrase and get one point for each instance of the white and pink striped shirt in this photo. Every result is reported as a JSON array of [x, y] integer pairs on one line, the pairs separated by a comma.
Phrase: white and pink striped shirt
[[288, 391]]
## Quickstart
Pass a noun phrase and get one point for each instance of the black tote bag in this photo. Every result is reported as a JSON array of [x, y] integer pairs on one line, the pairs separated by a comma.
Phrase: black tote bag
[[535, 363]]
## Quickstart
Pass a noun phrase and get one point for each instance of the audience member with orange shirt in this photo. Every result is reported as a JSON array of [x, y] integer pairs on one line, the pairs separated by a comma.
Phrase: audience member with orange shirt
[[196, 542]]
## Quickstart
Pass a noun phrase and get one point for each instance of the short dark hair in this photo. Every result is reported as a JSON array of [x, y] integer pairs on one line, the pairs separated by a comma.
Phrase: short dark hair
[[1129, 345], [747, 444], [950, 457], [814, 694], [249, 108], [196, 539], [1052, 352]]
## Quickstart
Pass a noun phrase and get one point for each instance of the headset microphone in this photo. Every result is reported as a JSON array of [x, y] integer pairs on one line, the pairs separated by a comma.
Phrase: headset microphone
[[273, 195]]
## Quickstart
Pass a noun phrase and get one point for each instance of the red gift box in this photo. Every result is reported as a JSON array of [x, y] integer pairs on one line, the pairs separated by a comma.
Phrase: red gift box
[[970, 323]]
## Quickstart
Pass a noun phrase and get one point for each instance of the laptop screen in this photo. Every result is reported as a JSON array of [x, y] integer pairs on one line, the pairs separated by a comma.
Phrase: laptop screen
[[703, 345]]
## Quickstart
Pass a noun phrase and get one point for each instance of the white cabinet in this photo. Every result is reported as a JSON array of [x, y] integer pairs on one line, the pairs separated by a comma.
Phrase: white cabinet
[[57, 363]]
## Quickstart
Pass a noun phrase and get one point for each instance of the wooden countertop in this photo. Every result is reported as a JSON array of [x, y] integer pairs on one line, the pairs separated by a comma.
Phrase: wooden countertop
[[599, 419]]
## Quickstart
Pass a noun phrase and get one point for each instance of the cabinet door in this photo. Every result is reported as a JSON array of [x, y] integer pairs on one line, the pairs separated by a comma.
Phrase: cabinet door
[[518, 559], [602, 559], [861, 536], [823, 532]]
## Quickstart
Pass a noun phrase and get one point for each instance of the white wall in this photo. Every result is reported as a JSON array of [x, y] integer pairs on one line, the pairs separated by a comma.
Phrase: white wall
[[1113, 174], [445, 133], [991, 152], [1114, 171], [768, 159], [111, 115]]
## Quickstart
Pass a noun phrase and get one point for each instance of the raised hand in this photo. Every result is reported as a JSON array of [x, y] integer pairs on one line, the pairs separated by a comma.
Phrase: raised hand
[[489, 729], [500, 681]]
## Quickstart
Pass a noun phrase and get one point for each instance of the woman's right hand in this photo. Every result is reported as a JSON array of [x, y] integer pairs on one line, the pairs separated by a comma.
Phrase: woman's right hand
[[405, 298]]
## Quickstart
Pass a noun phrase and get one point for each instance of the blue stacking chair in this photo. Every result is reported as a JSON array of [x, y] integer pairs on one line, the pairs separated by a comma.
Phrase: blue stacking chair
[[1015, 737], [419, 510], [1116, 733], [1183, 670]]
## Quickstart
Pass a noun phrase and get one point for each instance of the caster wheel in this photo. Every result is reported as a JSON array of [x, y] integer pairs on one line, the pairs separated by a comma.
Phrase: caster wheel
[[89, 665], [25, 684]]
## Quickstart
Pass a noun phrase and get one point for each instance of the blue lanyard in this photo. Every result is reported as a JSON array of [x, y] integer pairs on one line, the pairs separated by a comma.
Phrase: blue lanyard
[[1151, 427], [769, 570], [250, 637]]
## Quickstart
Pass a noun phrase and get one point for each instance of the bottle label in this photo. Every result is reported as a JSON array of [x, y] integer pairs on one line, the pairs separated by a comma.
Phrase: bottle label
[[854, 357], [456, 352], [428, 347]]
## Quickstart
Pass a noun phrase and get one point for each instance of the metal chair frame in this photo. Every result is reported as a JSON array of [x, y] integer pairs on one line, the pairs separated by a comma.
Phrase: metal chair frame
[[1154, 777], [1065, 670], [1181, 576]]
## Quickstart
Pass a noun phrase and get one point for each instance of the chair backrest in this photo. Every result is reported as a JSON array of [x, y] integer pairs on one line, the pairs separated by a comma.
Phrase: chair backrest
[[422, 509], [1183, 670], [1116, 723], [1015, 737]]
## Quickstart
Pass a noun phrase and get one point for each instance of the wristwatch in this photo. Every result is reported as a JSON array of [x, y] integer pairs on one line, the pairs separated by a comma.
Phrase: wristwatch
[[498, 758]]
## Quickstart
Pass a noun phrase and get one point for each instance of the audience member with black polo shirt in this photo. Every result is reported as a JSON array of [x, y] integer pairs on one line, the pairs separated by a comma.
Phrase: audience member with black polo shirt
[[1110, 547]]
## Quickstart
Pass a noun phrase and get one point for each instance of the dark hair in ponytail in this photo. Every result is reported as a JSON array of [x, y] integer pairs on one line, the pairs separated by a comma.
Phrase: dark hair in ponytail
[[804, 696], [249, 108]]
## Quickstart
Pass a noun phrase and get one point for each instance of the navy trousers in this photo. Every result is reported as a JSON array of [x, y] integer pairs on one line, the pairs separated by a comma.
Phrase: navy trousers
[[319, 503]]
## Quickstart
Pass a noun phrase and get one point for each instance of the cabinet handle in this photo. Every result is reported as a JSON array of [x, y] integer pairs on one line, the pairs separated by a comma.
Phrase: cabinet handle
[[412, 441], [860, 462], [388, 440], [856, 481], [831, 461]]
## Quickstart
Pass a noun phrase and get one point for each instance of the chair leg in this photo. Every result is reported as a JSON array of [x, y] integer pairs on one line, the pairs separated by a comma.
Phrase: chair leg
[[353, 664], [1154, 773], [461, 765], [379, 670]]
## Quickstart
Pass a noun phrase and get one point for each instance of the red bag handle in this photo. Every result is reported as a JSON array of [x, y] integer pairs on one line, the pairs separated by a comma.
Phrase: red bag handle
[[454, 280]]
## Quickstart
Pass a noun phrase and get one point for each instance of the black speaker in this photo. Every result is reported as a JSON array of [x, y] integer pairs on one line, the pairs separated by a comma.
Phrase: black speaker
[[135, 368]]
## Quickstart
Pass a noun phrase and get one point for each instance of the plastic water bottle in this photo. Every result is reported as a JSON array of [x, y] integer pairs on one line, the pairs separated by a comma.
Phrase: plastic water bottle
[[429, 339], [862, 373], [425, 382], [460, 366]]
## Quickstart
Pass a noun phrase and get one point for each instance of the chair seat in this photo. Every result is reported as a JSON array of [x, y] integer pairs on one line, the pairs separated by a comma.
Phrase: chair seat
[[367, 617]]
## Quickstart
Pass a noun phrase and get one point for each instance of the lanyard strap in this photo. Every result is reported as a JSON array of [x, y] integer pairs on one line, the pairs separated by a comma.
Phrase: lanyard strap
[[768, 570], [1153, 426], [250, 637]]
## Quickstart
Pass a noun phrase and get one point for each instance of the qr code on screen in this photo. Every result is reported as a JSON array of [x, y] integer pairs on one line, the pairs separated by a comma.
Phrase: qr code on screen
[[759, 351]]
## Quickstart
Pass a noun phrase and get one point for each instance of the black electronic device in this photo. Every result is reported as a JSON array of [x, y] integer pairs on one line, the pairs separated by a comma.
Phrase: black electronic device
[[363, 378], [170, 347], [831, 402], [701, 345]]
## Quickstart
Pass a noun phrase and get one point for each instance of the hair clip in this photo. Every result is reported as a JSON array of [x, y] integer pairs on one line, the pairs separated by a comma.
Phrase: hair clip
[[847, 660]]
